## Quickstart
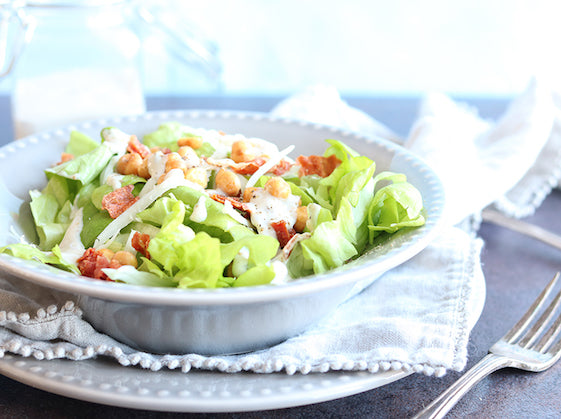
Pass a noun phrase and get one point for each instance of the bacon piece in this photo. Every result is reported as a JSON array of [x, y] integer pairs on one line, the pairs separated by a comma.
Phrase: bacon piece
[[136, 146], [118, 201], [281, 168], [317, 165], [284, 234], [250, 167], [236, 202], [140, 242], [92, 262], [287, 249]]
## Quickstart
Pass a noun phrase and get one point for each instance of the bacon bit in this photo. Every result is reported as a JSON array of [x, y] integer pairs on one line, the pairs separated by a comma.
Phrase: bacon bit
[[64, 157], [140, 242], [287, 249], [283, 233], [317, 165], [92, 262], [236, 203], [250, 167], [136, 146], [281, 168], [118, 201]]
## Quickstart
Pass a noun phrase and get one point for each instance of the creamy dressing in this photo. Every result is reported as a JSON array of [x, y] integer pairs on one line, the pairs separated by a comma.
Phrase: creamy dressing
[[229, 210], [114, 180], [116, 139], [71, 247], [281, 272], [266, 209], [199, 213]]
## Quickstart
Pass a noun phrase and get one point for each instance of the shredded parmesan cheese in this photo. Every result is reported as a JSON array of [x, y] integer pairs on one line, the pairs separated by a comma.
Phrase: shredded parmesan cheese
[[272, 162], [71, 247], [173, 180]]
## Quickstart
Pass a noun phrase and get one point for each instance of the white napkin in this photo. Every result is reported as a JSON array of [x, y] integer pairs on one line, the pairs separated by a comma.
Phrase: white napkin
[[415, 318]]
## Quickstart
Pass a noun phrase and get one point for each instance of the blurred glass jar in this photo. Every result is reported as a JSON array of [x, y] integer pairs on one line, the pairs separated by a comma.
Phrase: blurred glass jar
[[73, 60]]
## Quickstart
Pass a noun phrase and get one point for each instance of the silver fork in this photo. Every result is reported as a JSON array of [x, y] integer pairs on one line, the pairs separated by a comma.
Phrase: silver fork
[[530, 345]]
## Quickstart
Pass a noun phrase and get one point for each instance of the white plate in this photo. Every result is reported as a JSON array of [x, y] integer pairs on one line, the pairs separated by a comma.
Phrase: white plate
[[104, 382]]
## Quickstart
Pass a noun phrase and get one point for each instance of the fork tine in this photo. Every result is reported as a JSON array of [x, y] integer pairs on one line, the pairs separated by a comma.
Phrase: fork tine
[[555, 351], [534, 333], [532, 312], [547, 339]]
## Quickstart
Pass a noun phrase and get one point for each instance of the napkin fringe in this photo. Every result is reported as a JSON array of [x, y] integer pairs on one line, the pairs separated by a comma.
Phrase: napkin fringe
[[185, 363]]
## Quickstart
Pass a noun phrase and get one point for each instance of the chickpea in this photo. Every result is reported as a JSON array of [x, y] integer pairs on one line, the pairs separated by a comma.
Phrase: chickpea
[[186, 152], [197, 175], [107, 253], [228, 182], [247, 193], [125, 258], [301, 219], [192, 141], [189, 155], [174, 161], [241, 152], [133, 164], [278, 187]]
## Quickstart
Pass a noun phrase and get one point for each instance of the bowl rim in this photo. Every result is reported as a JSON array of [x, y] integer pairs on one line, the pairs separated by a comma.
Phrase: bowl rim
[[346, 275]]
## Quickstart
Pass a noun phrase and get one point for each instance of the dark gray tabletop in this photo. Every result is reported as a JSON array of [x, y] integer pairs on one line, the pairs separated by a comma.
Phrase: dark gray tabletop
[[516, 269]]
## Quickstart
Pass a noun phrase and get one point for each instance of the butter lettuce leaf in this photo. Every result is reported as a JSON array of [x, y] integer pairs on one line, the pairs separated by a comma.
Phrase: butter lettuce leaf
[[86, 167], [394, 206], [167, 134], [31, 252]]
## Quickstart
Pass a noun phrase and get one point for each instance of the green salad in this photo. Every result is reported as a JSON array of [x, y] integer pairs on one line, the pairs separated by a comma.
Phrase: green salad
[[195, 208]]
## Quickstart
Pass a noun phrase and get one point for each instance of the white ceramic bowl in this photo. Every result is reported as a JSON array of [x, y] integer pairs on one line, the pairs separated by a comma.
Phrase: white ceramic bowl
[[218, 321]]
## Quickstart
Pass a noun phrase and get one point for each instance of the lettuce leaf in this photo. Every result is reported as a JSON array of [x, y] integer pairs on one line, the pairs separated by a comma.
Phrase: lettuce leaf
[[198, 260], [51, 213], [84, 168], [80, 144], [167, 134], [360, 214], [327, 248], [31, 252], [394, 206], [130, 275], [217, 223]]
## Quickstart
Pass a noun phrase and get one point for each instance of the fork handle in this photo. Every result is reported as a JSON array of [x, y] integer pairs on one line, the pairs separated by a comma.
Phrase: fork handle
[[447, 400]]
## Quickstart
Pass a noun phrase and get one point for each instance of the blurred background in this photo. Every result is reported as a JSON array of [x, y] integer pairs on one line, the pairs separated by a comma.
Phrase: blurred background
[[366, 47], [74, 58], [362, 47]]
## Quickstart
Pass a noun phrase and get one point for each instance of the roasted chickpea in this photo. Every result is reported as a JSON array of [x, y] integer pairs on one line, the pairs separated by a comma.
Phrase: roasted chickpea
[[228, 182], [107, 253], [192, 141], [133, 164], [187, 152], [125, 258], [247, 193], [174, 161], [241, 152], [278, 187], [301, 219]]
